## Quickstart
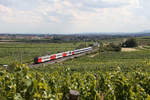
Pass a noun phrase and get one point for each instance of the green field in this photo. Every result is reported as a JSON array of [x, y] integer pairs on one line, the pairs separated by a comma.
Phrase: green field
[[117, 75]]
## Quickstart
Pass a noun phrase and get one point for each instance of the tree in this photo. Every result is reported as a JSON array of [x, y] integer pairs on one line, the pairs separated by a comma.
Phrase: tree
[[131, 42], [113, 47]]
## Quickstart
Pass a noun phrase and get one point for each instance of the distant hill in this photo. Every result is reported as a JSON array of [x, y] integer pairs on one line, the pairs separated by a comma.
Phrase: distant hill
[[146, 30]]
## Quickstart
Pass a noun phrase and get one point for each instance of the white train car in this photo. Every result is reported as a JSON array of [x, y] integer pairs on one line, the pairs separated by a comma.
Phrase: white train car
[[60, 55]]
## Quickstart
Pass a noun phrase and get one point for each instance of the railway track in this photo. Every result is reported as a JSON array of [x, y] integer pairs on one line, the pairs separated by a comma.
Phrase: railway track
[[60, 60]]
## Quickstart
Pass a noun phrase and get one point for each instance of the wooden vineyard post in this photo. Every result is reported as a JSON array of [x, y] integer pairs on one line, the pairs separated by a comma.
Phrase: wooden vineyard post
[[102, 97], [74, 95]]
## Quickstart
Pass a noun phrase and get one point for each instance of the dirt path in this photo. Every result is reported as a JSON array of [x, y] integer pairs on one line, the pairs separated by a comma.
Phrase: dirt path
[[93, 55], [128, 49]]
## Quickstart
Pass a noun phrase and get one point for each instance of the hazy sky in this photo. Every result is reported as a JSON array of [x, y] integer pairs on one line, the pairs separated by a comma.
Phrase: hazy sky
[[63, 16]]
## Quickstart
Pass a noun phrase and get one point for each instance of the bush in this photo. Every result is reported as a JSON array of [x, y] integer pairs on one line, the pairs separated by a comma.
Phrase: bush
[[113, 47], [90, 45], [131, 42]]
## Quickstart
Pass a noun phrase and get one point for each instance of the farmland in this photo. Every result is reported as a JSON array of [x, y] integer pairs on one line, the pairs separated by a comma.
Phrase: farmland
[[25, 52], [115, 75], [106, 61]]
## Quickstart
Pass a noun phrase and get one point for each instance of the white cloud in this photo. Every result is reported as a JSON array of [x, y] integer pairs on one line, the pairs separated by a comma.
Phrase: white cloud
[[133, 3], [79, 16], [11, 15]]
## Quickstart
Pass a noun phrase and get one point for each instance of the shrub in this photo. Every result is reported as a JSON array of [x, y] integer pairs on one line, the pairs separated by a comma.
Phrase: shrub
[[131, 42], [113, 47]]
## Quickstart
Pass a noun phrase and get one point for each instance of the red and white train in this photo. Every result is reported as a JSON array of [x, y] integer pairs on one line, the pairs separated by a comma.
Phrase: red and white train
[[47, 58]]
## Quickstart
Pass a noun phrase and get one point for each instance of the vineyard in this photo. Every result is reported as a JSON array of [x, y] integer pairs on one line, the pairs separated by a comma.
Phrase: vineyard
[[25, 52], [20, 83], [109, 75]]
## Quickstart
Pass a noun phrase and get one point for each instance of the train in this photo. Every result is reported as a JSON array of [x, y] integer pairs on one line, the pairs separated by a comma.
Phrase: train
[[47, 58]]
